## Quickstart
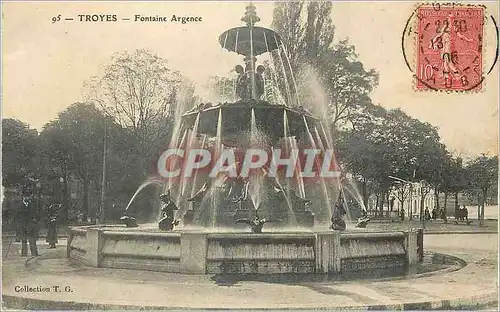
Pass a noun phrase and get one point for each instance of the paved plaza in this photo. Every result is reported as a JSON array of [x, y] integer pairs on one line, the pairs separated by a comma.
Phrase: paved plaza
[[472, 287]]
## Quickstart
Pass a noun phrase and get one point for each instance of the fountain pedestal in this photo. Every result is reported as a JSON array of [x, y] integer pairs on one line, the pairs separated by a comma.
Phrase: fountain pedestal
[[193, 253], [327, 252], [331, 252]]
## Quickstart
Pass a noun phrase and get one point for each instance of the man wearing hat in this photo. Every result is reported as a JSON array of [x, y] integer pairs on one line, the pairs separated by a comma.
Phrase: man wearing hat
[[52, 215], [28, 221]]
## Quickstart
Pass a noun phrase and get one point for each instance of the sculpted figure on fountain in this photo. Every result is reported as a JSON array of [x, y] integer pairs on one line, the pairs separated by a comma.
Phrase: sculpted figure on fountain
[[338, 214], [129, 221], [249, 82], [255, 224], [167, 221], [198, 197], [363, 220]]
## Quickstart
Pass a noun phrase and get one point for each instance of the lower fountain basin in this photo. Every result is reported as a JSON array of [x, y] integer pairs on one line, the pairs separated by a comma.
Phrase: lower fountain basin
[[202, 252]]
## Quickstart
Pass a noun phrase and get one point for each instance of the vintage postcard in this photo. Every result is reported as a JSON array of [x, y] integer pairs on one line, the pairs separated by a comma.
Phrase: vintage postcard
[[194, 155]]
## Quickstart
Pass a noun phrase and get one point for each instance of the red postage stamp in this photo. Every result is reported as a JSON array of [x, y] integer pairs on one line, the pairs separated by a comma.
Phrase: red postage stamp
[[449, 47]]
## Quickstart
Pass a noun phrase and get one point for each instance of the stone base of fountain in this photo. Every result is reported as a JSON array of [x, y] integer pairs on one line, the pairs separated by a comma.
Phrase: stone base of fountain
[[243, 253]]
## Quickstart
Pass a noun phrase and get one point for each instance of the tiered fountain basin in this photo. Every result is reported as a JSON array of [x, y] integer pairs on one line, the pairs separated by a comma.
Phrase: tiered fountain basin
[[203, 252]]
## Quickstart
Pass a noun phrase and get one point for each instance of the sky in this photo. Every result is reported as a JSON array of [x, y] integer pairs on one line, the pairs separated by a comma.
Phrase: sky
[[45, 64]]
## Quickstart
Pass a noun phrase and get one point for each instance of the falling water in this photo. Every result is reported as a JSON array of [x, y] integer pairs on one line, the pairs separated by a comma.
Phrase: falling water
[[322, 135], [326, 196], [183, 139], [346, 206], [291, 145], [286, 130], [318, 138], [218, 151], [175, 144], [292, 220], [284, 75], [141, 187], [218, 139], [255, 179], [194, 132], [184, 97], [309, 134], [287, 139], [223, 89], [352, 190], [273, 71], [193, 190], [184, 100], [328, 137], [298, 173], [293, 76], [189, 146], [183, 209]]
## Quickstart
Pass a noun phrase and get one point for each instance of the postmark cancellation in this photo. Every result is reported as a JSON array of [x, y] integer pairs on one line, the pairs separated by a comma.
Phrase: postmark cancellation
[[449, 47]]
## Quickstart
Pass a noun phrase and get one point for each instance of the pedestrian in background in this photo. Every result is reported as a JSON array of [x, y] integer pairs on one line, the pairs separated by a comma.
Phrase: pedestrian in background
[[52, 215], [28, 224]]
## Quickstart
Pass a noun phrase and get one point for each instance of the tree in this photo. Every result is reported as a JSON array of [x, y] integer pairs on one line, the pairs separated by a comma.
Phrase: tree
[[390, 143], [308, 33], [73, 147], [142, 95], [452, 178], [402, 193], [482, 174], [19, 153], [347, 84], [288, 22]]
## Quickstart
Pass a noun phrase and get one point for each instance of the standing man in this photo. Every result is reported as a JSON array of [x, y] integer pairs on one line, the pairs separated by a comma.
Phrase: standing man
[[427, 214], [442, 214], [28, 225], [52, 214], [391, 203]]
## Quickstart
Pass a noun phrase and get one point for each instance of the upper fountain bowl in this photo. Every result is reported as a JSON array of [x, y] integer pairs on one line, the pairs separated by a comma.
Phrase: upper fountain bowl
[[273, 121], [239, 40]]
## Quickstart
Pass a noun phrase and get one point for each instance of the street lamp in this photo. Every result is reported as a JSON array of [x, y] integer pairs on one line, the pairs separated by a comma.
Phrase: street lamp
[[61, 180], [422, 209], [100, 213]]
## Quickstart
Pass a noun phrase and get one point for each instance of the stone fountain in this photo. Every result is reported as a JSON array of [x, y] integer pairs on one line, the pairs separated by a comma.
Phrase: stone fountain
[[290, 218]]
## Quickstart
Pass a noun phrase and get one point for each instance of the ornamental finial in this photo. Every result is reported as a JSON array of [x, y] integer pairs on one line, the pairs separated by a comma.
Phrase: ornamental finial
[[250, 17]]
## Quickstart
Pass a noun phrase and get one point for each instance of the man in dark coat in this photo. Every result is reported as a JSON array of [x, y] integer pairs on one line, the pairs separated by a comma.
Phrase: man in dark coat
[[28, 225], [52, 214], [427, 214]]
